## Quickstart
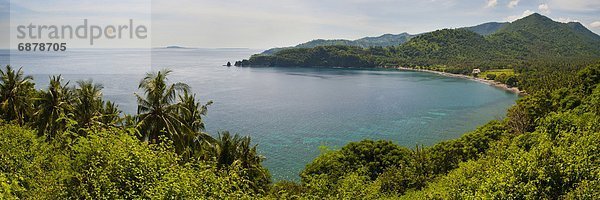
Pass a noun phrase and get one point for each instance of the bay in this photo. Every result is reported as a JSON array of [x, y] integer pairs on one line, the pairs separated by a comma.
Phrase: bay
[[288, 112]]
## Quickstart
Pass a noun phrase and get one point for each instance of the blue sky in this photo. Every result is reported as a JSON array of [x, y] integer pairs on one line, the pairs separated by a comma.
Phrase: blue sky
[[270, 23]]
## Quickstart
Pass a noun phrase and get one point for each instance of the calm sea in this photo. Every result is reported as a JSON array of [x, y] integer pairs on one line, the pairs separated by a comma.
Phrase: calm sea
[[288, 112]]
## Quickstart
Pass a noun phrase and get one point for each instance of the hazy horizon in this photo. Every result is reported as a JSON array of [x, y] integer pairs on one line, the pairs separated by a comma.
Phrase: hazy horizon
[[267, 24]]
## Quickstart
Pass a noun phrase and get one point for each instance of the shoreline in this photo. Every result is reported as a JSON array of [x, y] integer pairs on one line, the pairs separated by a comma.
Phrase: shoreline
[[492, 83], [480, 80]]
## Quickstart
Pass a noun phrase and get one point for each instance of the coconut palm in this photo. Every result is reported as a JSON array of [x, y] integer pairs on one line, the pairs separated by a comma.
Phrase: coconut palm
[[191, 111], [228, 150], [87, 103], [110, 114], [16, 90], [157, 109], [225, 149], [129, 121], [53, 105], [193, 139]]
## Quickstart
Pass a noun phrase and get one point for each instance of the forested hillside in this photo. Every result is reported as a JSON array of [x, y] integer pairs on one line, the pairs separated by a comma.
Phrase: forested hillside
[[487, 28], [533, 39], [387, 40], [380, 41]]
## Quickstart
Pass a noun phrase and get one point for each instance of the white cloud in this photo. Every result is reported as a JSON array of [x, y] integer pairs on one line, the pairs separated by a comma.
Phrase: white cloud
[[513, 3], [595, 24], [566, 20], [544, 8], [491, 3], [515, 17]]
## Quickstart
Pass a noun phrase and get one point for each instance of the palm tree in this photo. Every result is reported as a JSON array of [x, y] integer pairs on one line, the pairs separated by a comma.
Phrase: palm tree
[[228, 150], [88, 103], [225, 149], [157, 110], [110, 114], [53, 105], [129, 121], [16, 90], [192, 138], [191, 111]]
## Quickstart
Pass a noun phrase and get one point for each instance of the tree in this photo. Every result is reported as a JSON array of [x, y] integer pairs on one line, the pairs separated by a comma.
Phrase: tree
[[228, 150], [191, 111], [511, 81], [53, 106], [193, 138], [590, 76], [110, 114], [157, 110], [88, 103], [594, 103], [374, 156], [519, 120], [16, 92], [501, 78]]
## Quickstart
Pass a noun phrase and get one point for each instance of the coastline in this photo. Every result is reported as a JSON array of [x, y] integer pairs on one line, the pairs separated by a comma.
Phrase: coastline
[[481, 80]]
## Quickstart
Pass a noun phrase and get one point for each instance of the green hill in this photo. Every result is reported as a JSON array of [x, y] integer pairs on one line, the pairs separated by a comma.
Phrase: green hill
[[529, 39], [487, 28], [577, 27], [442, 46], [382, 41], [539, 36], [532, 39]]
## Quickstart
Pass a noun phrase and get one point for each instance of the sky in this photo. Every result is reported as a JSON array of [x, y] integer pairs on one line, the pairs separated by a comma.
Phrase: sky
[[278, 23]]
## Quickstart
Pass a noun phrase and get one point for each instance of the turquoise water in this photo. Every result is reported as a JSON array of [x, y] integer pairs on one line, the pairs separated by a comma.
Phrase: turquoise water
[[290, 112]]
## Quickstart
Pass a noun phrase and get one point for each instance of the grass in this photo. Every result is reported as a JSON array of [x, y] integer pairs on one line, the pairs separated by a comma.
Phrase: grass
[[497, 72]]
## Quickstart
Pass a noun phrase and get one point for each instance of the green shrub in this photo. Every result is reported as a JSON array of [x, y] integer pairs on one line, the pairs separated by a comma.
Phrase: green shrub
[[374, 156], [34, 168]]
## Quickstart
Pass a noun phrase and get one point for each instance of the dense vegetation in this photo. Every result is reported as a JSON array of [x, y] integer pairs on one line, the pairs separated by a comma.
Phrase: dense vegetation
[[387, 40], [65, 141], [487, 28], [380, 41], [533, 39]]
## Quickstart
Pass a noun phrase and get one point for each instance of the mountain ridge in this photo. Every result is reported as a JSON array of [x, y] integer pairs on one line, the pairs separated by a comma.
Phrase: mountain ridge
[[365, 42], [487, 28], [530, 39]]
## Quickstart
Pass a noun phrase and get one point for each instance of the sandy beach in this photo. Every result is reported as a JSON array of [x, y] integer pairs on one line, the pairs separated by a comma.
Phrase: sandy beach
[[481, 80]]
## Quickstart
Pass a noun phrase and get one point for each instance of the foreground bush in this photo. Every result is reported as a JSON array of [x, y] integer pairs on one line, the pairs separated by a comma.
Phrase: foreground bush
[[108, 164]]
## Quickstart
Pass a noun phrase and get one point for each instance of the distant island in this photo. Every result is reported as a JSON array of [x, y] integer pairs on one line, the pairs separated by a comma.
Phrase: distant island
[[174, 47]]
